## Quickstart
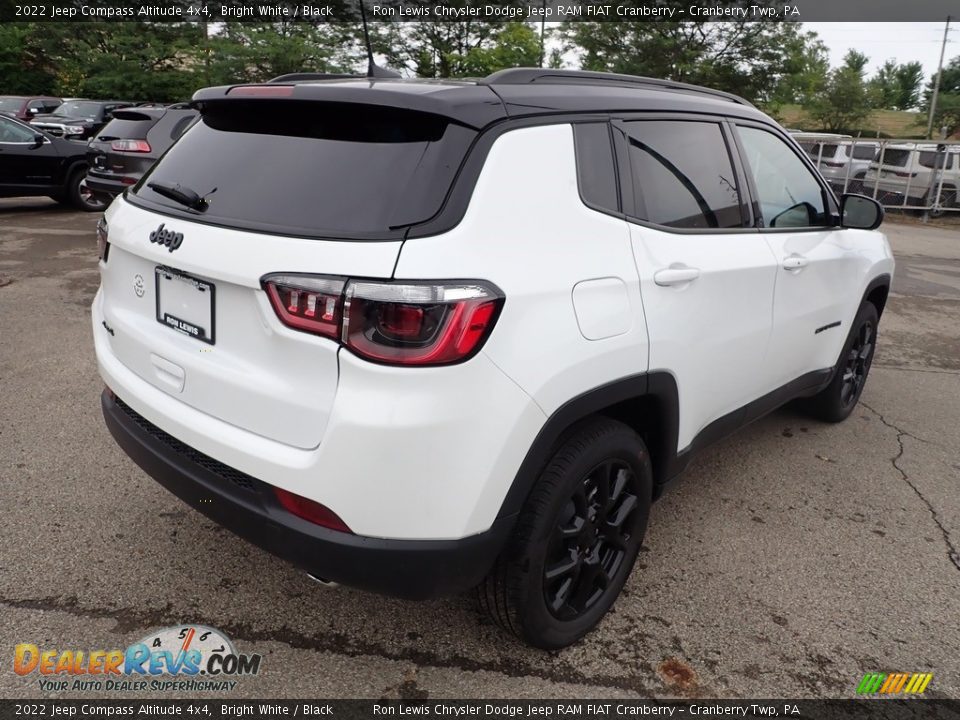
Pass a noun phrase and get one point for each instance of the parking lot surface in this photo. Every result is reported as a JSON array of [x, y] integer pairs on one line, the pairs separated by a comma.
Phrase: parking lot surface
[[789, 560]]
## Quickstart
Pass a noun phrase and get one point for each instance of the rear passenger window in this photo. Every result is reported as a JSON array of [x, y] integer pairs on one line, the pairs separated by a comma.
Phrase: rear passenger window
[[788, 193], [682, 174], [596, 172]]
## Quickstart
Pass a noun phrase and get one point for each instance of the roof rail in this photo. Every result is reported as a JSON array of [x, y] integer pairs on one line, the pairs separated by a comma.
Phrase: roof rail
[[522, 76], [305, 76]]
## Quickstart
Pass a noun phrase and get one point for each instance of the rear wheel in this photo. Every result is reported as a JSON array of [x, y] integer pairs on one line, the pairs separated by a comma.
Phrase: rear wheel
[[835, 402], [939, 202], [576, 539], [81, 196]]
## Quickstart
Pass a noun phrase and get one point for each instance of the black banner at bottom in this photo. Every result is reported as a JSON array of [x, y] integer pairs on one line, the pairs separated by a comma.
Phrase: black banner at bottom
[[204, 709]]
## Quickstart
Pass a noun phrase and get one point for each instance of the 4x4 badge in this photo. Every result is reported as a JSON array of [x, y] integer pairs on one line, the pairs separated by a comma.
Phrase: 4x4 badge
[[166, 237]]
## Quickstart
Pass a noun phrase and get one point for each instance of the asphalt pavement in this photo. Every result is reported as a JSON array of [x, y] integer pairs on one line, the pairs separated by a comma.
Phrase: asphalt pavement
[[789, 560]]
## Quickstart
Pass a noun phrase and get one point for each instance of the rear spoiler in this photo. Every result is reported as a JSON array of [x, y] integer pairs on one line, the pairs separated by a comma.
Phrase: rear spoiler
[[470, 105]]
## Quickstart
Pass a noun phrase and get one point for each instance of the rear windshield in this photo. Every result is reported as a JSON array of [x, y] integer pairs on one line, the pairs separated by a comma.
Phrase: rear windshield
[[813, 150], [312, 169], [126, 129], [896, 157]]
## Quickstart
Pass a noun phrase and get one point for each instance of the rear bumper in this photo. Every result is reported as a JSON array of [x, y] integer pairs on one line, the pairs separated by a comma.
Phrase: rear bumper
[[414, 569], [107, 185]]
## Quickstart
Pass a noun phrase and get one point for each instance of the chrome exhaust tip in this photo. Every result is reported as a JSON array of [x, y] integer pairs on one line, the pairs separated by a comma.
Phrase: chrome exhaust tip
[[323, 581]]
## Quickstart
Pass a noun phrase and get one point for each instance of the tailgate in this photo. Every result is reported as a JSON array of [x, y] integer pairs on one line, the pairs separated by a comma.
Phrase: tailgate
[[246, 368]]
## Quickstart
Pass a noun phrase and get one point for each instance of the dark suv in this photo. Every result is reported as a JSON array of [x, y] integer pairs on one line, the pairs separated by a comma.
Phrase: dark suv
[[35, 163], [78, 119], [130, 143]]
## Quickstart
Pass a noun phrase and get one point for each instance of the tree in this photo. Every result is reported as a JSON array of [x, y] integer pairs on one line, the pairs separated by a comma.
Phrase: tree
[[255, 52], [896, 87], [947, 113], [843, 102], [751, 59], [517, 45]]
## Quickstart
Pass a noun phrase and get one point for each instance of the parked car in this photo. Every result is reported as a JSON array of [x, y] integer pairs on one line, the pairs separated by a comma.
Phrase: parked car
[[35, 163], [833, 153], [924, 174], [25, 107], [420, 338], [78, 119], [130, 143]]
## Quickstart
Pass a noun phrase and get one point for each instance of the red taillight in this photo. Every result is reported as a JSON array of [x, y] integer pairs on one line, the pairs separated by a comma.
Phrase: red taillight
[[311, 511], [904, 174], [392, 323], [127, 180], [103, 244], [139, 146], [307, 303], [261, 91]]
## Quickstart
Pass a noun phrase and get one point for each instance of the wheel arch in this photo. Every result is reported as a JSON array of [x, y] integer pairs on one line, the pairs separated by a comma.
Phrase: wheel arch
[[648, 403], [877, 292]]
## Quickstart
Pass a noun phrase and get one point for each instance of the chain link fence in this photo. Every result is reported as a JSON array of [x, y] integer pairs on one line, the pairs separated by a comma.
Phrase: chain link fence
[[920, 175]]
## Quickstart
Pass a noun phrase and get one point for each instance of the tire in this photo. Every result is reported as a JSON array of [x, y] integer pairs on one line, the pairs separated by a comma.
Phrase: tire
[[80, 196], [583, 522], [856, 185], [946, 199], [835, 402]]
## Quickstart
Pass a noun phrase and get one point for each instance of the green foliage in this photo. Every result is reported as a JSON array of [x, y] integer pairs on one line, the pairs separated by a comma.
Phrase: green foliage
[[456, 48], [896, 87], [766, 62], [947, 113], [516, 45], [844, 100]]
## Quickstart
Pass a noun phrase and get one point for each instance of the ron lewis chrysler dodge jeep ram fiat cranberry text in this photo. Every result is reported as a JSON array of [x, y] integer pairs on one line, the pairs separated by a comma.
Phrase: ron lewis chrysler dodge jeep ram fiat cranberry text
[[418, 337]]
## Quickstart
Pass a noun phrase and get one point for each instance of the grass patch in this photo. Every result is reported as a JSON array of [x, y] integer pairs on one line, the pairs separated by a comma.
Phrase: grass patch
[[888, 123]]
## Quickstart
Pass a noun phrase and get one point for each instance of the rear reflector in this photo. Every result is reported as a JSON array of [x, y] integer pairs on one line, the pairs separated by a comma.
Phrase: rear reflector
[[391, 323], [261, 91], [311, 511]]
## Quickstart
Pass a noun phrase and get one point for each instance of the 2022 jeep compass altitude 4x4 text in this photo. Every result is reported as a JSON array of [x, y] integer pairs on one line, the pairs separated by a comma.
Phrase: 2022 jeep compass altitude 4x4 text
[[419, 337]]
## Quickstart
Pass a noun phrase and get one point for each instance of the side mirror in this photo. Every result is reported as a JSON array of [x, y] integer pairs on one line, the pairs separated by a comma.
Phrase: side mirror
[[33, 111], [860, 212], [38, 141]]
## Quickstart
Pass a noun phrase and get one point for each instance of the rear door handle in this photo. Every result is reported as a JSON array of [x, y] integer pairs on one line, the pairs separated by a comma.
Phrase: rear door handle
[[794, 262], [675, 275]]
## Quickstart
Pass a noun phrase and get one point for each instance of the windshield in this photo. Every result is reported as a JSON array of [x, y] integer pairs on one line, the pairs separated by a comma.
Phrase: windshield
[[10, 105], [313, 169], [79, 109]]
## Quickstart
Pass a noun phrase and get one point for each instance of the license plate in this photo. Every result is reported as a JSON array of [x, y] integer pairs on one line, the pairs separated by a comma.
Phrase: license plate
[[186, 304]]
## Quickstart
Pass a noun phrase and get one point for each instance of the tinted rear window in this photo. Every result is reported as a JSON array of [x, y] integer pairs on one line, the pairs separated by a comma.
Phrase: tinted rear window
[[938, 160], [313, 169], [126, 129], [895, 157], [682, 174], [813, 150], [864, 152]]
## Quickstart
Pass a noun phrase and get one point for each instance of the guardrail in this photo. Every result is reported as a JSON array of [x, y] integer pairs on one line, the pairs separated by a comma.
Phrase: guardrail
[[921, 175]]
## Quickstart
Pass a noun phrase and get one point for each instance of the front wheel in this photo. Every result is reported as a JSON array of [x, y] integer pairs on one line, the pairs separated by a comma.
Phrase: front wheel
[[835, 402], [576, 539]]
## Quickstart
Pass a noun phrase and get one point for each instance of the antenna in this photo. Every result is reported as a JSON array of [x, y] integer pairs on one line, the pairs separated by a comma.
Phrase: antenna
[[373, 70]]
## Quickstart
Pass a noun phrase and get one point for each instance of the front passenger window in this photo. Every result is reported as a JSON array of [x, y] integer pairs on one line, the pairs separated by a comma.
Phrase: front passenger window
[[788, 193]]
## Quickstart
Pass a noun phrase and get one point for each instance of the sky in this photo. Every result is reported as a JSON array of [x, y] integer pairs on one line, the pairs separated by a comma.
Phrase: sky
[[904, 42]]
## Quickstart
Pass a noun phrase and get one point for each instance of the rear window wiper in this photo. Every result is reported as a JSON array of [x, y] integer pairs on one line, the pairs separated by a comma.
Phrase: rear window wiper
[[183, 195]]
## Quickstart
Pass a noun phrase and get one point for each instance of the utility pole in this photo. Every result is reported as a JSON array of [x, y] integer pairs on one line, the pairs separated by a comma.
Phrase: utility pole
[[936, 84]]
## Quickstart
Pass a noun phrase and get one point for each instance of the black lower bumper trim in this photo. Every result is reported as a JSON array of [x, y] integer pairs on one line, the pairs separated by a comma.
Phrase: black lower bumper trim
[[413, 569]]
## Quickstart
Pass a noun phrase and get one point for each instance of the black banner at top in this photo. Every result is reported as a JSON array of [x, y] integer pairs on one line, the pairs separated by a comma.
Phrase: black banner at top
[[333, 11], [576, 709]]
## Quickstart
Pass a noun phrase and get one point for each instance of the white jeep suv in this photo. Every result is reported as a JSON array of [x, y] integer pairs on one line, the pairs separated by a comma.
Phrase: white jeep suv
[[419, 337]]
